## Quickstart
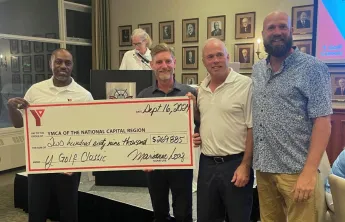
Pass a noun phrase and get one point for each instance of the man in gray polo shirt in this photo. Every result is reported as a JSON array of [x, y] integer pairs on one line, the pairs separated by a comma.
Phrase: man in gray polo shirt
[[291, 125], [160, 181]]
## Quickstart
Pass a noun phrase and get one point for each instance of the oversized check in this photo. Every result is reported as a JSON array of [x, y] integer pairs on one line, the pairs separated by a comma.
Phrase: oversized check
[[109, 135]]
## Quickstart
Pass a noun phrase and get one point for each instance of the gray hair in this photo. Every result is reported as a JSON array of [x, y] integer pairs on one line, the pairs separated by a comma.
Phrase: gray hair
[[143, 35]]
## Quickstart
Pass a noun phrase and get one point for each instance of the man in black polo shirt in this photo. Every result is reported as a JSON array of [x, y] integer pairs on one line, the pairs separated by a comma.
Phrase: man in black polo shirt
[[160, 181]]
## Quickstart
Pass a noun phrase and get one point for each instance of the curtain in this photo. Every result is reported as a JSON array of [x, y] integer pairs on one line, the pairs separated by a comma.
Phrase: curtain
[[101, 54]]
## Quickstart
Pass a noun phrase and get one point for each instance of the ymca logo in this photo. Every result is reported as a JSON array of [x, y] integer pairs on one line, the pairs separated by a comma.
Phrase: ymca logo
[[37, 115]]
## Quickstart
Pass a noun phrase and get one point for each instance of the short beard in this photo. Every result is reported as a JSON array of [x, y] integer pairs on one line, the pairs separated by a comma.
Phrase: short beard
[[279, 50]]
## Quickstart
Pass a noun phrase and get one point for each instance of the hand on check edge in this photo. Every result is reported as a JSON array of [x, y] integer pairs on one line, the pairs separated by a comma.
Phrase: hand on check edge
[[196, 139]]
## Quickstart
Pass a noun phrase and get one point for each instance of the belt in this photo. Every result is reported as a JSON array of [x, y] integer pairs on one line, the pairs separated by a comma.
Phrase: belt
[[223, 159]]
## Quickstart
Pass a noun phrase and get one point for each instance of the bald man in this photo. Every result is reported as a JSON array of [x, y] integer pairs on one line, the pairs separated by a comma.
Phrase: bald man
[[59, 88], [304, 21], [225, 175], [291, 125]]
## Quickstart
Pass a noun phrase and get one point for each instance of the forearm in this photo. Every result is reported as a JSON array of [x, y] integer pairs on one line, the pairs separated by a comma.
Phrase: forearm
[[15, 117], [248, 153], [318, 143]]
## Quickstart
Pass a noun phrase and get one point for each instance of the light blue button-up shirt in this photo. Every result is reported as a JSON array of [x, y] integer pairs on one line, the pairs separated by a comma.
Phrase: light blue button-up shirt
[[284, 106]]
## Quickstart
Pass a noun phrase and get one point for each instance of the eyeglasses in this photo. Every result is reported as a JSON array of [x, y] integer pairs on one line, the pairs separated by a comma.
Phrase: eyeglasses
[[137, 44]]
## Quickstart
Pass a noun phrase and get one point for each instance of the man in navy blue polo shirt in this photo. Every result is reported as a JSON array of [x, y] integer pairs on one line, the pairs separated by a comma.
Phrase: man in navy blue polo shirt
[[160, 181], [291, 125]]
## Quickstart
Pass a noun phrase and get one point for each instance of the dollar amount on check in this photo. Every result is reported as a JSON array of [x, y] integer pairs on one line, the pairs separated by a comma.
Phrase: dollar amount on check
[[106, 135]]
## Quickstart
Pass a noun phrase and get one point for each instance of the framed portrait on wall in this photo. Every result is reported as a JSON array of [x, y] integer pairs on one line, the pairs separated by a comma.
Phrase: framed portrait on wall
[[167, 32], [338, 86], [39, 77], [26, 46], [121, 54], [39, 63], [304, 45], [190, 78], [190, 57], [16, 82], [14, 47], [302, 19], [125, 33], [147, 27], [244, 53], [216, 27], [245, 25], [26, 62], [15, 64], [48, 61], [190, 30]]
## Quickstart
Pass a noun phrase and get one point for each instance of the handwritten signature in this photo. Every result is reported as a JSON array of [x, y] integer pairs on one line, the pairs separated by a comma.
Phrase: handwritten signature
[[137, 155]]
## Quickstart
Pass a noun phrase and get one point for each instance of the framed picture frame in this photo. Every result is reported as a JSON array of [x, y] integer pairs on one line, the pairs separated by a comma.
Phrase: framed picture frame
[[40, 77], [244, 54], [121, 54], [190, 30], [26, 62], [147, 27], [38, 46], [190, 78], [14, 46], [26, 46], [39, 63], [48, 62], [16, 82], [27, 82], [51, 46], [216, 27], [167, 32], [15, 64], [245, 25], [302, 19], [338, 86], [125, 33], [190, 57], [304, 45]]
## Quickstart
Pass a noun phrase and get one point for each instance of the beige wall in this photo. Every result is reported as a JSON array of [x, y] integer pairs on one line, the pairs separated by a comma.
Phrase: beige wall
[[134, 12]]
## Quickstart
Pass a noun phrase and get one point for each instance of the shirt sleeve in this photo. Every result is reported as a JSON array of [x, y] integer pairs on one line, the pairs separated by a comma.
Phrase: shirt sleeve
[[89, 97], [319, 91], [247, 106]]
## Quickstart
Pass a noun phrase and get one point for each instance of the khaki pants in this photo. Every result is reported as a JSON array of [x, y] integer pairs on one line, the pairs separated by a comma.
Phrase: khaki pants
[[276, 199]]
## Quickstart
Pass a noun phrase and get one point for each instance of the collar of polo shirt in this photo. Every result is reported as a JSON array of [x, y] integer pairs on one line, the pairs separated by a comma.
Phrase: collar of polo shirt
[[229, 79], [71, 87]]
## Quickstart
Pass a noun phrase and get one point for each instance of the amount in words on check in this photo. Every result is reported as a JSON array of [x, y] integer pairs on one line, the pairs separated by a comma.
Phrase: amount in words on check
[[147, 139]]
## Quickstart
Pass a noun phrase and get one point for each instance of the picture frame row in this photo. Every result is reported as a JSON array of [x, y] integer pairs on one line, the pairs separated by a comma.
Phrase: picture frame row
[[24, 81], [38, 47], [244, 54], [24, 63], [302, 21]]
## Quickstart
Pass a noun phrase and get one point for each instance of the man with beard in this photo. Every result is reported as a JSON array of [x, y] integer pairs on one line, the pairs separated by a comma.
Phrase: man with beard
[[291, 125], [60, 88], [160, 181]]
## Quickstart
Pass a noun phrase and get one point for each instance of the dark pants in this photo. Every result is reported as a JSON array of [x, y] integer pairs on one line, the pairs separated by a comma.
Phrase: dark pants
[[41, 187], [180, 183], [218, 197]]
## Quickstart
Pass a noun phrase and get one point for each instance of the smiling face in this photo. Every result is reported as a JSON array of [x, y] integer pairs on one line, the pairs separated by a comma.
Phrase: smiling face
[[62, 66], [163, 65], [216, 58], [277, 34]]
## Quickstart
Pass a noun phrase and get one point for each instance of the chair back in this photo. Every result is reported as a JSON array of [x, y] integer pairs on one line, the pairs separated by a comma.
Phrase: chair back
[[338, 190]]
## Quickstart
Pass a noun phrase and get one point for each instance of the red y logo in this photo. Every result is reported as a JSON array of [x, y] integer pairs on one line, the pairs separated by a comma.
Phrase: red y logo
[[37, 115]]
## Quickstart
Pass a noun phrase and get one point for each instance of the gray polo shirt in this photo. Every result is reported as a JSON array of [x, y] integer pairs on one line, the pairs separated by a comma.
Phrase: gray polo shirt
[[284, 105]]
